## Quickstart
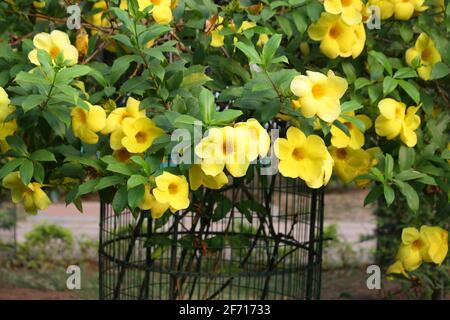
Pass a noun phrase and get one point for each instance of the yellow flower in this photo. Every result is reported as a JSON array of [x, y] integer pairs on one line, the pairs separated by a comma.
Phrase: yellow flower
[[82, 41], [224, 147], [351, 163], [336, 37], [397, 268], [54, 43], [198, 178], [409, 253], [172, 190], [404, 9], [7, 128], [149, 202], [386, 8], [258, 143], [139, 134], [356, 139], [86, 123], [437, 244], [161, 11], [428, 54], [262, 39], [319, 94], [350, 10], [393, 121], [32, 195], [117, 116], [98, 19], [216, 38], [304, 157]]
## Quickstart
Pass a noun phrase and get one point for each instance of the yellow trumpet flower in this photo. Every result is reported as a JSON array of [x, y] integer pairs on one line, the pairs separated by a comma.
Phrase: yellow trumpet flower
[[54, 43], [319, 94], [32, 196], [304, 157], [350, 10], [393, 121], [356, 139], [86, 123], [139, 134], [428, 54], [198, 178], [337, 38], [172, 190]]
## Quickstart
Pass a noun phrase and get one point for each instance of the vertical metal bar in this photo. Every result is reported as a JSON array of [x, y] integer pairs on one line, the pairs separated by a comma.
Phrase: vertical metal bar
[[320, 238], [101, 269], [311, 242], [173, 261]]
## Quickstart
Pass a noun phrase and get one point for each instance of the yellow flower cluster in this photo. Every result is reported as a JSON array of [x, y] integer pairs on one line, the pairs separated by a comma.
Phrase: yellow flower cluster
[[232, 148], [430, 244], [319, 95], [32, 196], [395, 119], [7, 128], [217, 39], [161, 10], [400, 9]]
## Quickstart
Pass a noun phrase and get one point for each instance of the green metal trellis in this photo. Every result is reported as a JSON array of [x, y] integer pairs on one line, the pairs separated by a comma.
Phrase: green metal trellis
[[258, 238]]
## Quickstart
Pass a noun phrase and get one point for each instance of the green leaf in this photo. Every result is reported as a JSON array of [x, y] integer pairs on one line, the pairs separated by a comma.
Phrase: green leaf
[[250, 52], [374, 194], [223, 207], [300, 21], [42, 155], [66, 75], [136, 180], [349, 71], [405, 73], [410, 194], [355, 121], [388, 166], [26, 171], [361, 83], [107, 182], [87, 187], [207, 105], [135, 196], [225, 117], [411, 90], [120, 168], [32, 101], [439, 70], [389, 194], [285, 25], [342, 126], [351, 105], [406, 157], [270, 48], [120, 200], [39, 172], [10, 166], [314, 9], [194, 80], [409, 175], [187, 119], [119, 66], [389, 85], [382, 59]]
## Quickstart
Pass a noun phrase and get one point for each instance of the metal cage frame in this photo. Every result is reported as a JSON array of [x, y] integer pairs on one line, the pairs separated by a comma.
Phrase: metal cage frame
[[268, 245]]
